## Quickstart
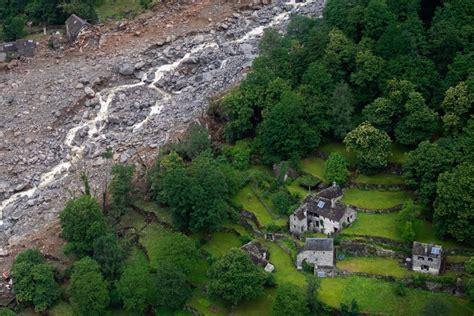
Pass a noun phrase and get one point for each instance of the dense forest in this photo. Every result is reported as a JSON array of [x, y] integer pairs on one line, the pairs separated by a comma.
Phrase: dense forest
[[369, 75]]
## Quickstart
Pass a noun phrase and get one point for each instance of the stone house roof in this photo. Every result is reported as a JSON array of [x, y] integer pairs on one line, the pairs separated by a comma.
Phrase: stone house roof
[[325, 204], [332, 192], [334, 210], [318, 244], [427, 250]]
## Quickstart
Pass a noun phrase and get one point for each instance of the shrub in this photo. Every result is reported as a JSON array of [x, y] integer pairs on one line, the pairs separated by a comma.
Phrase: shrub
[[469, 265], [308, 182], [34, 280], [400, 289], [335, 169], [283, 202]]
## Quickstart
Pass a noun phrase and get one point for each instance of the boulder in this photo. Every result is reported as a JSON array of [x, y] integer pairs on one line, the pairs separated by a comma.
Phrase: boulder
[[126, 69]]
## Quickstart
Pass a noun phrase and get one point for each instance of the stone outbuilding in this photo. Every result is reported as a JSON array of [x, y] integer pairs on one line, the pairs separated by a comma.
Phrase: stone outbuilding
[[427, 258], [323, 212], [318, 252]]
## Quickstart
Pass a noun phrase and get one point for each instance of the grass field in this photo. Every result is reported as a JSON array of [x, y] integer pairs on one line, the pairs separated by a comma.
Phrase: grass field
[[377, 296], [340, 148], [381, 225], [425, 233], [374, 199], [285, 270], [398, 152], [221, 243], [150, 239], [381, 178], [314, 166], [295, 188], [161, 213], [251, 203], [117, 9], [374, 265]]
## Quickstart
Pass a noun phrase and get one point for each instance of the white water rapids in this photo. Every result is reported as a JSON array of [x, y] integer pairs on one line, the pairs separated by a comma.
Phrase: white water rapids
[[97, 124]]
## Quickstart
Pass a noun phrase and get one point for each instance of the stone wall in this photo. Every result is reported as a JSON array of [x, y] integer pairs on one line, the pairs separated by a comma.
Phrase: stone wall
[[363, 249]]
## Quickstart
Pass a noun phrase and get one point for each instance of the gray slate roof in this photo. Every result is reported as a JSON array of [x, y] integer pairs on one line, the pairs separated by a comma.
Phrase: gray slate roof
[[322, 207], [422, 249], [318, 244], [331, 192]]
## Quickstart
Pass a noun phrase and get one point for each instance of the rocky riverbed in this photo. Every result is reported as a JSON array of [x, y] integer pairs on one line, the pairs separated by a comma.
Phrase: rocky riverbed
[[56, 122]]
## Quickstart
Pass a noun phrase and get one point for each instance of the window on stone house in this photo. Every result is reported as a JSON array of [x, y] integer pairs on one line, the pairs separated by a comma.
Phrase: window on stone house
[[430, 259], [425, 267], [421, 258]]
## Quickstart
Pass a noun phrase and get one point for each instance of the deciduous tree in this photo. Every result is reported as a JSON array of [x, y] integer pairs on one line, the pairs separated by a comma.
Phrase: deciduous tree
[[82, 222], [234, 278], [290, 301], [34, 280], [454, 206], [89, 293], [371, 145], [335, 169]]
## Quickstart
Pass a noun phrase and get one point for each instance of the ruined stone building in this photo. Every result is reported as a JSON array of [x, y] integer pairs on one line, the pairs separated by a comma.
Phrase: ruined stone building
[[75, 25], [323, 212], [258, 254], [19, 48]]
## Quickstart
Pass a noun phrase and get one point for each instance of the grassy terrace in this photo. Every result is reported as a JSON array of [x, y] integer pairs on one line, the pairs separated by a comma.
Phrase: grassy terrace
[[375, 199], [377, 296], [314, 166], [386, 226], [221, 243], [374, 265], [117, 9], [398, 152], [161, 213], [150, 239], [247, 198], [381, 225], [381, 178]]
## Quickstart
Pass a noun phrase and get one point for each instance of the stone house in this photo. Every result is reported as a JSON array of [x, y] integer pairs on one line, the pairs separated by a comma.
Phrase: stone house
[[318, 252], [19, 48], [427, 258], [258, 254], [75, 25], [323, 212]]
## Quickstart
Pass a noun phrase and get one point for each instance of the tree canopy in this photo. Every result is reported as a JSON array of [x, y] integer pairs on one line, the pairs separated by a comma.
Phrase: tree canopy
[[82, 222], [234, 278], [88, 289], [290, 301], [34, 280]]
